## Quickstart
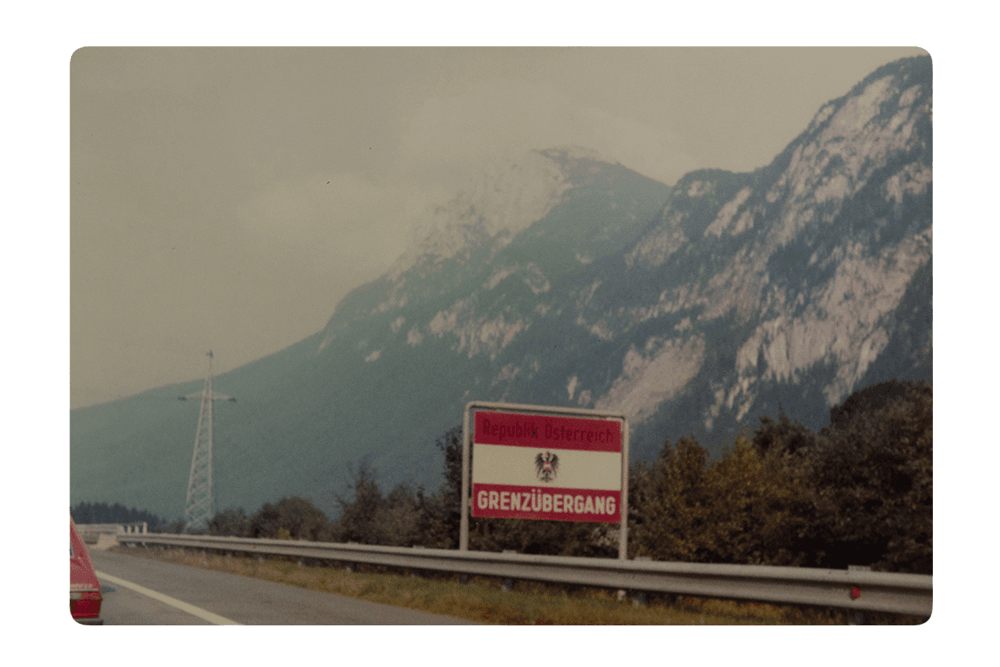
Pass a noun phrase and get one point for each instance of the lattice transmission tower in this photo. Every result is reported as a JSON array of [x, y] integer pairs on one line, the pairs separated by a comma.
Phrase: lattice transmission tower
[[198, 508]]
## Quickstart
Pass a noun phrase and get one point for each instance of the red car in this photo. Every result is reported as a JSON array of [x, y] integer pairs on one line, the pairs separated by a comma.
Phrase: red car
[[84, 588]]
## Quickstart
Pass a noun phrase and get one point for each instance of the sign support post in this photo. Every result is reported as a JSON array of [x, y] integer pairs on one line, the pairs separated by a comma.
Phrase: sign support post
[[463, 537]]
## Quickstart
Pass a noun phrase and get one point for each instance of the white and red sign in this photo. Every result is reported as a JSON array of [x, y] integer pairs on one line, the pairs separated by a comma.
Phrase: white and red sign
[[529, 466]]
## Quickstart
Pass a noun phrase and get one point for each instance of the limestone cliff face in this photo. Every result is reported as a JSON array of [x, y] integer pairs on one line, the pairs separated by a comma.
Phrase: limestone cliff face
[[791, 276]]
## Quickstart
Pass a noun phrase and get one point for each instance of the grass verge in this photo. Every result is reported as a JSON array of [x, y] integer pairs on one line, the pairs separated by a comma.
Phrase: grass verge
[[482, 599]]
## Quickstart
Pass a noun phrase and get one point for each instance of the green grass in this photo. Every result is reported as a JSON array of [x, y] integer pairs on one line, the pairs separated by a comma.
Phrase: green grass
[[482, 599]]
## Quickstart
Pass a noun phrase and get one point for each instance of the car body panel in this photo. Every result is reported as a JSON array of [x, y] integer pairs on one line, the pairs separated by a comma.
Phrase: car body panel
[[84, 586]]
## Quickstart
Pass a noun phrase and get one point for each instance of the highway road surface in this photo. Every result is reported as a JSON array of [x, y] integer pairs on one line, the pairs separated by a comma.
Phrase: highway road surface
[[143, 591]]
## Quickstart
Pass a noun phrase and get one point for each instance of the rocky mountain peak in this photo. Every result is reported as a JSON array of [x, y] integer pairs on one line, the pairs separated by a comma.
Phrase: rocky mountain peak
[[495, 205]]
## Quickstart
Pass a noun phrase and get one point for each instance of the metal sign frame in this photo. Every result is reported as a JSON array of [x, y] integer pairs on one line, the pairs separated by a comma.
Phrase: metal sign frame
[[463, 543]]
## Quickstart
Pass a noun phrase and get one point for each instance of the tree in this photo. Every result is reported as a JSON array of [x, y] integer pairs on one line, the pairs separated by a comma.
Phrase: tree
[[358, 518], [297, 517], [450, 504], [431, 529], [669, 504], [760, 508], [749, 507], [438, 516], [783, 434], [85, 513], [231, 523], [397, 518], [873, 484]]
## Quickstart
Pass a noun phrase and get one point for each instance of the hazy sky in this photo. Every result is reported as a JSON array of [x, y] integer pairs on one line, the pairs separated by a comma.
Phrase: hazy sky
[[227, 199]]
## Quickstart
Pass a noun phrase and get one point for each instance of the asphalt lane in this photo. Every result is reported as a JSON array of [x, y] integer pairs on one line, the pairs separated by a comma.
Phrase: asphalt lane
[[208, 596]]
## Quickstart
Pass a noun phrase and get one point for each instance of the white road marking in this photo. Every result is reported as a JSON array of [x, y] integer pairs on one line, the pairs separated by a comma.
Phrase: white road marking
[[173, 602]]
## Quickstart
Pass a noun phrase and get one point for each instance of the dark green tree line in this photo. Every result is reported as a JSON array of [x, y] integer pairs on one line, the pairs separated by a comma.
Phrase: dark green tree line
[[859, 492], [873, 479], [117, 513], [290, 518]]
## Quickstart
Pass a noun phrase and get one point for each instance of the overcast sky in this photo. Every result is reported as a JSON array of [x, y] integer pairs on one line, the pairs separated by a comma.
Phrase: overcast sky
[[227, 199]]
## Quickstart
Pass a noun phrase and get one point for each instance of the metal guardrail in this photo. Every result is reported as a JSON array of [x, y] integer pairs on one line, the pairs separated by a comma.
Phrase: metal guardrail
[[102, 534], [113, 528], [858, 591]]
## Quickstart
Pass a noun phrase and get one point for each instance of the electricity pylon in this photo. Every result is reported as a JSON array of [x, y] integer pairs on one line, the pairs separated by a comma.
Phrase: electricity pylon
[[198, 509]]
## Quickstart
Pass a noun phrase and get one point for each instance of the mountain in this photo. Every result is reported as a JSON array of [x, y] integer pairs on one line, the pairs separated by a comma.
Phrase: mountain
[[566, 280]]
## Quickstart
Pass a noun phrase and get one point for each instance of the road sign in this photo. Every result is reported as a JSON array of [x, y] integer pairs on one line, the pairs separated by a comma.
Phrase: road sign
[[546, 467], [544, 463]]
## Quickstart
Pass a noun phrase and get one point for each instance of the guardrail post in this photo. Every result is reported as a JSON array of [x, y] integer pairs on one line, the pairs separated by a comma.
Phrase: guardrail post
[[416, 572], [857, 617], [639, 598], [508, 583]]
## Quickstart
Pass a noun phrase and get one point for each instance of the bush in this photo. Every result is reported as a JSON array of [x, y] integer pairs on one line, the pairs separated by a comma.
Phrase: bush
[[298, 517]]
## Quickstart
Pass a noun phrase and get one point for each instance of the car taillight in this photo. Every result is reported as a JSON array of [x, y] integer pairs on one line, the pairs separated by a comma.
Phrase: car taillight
[[85, 604]]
